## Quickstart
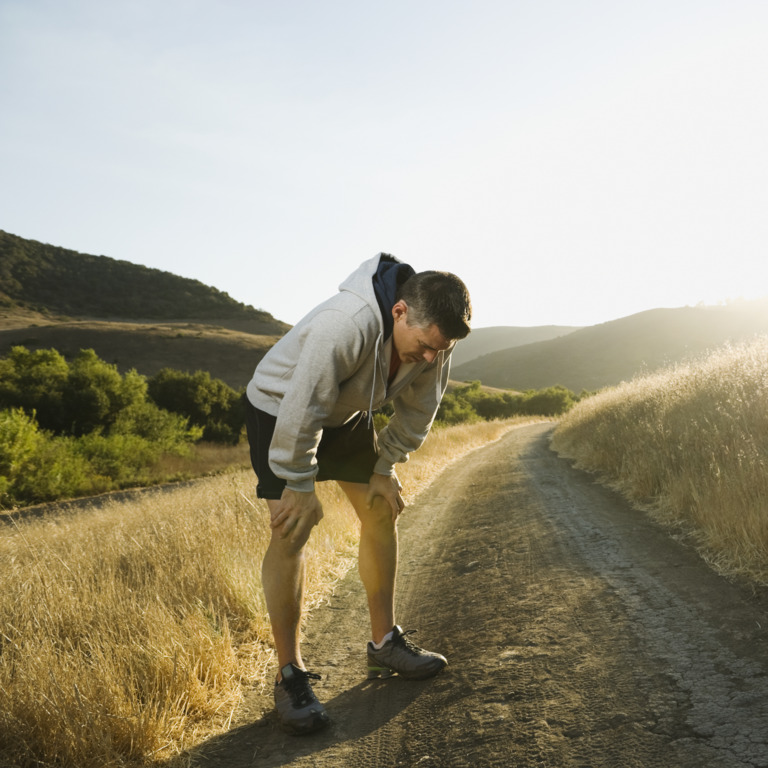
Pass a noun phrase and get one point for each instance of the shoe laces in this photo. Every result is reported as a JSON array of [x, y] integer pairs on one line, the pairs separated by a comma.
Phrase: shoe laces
[[407, 643], [299, 687]]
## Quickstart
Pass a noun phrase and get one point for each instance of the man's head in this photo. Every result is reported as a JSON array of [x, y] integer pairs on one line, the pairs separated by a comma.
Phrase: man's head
[[432, 311], [437, 298]]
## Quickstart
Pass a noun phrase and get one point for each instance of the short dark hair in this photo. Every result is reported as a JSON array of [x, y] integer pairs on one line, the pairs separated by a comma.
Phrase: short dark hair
[[437, 298]]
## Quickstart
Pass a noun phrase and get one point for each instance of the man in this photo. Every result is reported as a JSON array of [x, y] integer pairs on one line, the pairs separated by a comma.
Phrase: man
[[385, 337]]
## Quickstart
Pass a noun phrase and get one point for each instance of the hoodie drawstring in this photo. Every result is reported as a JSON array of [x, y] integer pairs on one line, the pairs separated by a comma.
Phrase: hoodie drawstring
[[439, 376], [373, 384]]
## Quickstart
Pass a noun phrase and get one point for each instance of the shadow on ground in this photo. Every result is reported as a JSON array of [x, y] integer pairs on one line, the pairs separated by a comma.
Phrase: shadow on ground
[[355, 713]]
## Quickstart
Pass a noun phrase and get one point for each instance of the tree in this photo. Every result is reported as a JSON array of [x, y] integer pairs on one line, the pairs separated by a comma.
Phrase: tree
[[35, 382], [95, 393]]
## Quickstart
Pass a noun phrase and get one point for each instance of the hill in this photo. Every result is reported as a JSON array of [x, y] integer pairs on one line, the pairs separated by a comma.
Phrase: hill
[[130, 315], [36, 277], [483, 341], [606, 354]]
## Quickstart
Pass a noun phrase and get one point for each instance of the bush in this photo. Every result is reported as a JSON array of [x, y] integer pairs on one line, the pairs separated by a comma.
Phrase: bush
[[95, 393], [34, 381], [552, 401], [35, 466], [68, 398], [455, 409], [208, 403], [168, 431], [471, 402], [96, 429], [121, 458]]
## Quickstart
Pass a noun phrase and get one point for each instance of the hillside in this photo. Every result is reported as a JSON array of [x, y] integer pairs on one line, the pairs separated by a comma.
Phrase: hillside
[[36, 277], [483, 341], [227, 355], [131, 316], [609, 353]]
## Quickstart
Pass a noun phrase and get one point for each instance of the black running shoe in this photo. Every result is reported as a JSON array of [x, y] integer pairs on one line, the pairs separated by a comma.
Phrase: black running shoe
[[297, 706], [400, 655]]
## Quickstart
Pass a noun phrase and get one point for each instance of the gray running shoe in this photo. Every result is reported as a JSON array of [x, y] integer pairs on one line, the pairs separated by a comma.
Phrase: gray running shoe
[[399, 655], [297, 706]]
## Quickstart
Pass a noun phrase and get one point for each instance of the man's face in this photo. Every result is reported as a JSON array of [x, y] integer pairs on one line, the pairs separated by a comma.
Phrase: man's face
[[414, 344]]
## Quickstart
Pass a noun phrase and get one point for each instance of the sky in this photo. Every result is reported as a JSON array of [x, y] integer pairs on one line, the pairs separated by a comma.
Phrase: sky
[[573, 161]]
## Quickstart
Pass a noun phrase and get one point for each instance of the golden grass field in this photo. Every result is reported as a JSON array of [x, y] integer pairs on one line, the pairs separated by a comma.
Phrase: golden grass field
[[690, 444], [131, 631]]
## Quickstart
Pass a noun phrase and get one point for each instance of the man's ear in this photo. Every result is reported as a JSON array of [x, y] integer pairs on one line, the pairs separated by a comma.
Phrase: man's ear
[[399, 310]]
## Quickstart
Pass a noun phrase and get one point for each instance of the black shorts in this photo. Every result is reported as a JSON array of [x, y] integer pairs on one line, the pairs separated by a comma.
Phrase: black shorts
[[348, 453]]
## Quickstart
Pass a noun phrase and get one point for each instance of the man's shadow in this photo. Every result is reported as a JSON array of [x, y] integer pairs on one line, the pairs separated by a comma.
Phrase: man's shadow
[[355, 713]]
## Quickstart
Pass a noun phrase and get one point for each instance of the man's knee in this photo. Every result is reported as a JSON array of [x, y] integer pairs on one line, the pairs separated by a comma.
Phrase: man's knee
[[379, 515], [285, 547]]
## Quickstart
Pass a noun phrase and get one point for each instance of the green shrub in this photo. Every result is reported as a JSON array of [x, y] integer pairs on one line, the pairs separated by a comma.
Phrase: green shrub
[[68, 398], [552, 401], [470, 402], [121, 458], [95, 393], [208, 403], [58, 472], [100, 430], [34, 381], [455, 409], [168, 431], [35, 466]]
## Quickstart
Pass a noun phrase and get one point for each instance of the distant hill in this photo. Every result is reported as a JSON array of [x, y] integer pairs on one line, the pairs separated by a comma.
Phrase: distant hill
[[483, 341], [131, 316], [55, 281], [606, 354]]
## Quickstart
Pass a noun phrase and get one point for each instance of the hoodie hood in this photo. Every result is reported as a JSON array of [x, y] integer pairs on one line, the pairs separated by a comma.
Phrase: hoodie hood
[[376, 281], [389, 276], [379, 279]]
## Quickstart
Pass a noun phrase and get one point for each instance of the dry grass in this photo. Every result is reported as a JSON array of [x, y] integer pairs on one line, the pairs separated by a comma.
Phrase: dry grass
[[691, 445], [203, 459], [129, 632]]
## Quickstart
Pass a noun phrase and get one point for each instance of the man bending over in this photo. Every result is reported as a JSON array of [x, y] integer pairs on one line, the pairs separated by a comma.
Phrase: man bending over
[[385, 337]]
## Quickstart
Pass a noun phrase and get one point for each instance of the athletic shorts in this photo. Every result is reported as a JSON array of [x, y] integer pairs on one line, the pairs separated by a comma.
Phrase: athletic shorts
[[348, 453]]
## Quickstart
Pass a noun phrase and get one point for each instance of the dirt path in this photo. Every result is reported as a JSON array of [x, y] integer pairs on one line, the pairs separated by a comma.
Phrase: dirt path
[[578, 634]]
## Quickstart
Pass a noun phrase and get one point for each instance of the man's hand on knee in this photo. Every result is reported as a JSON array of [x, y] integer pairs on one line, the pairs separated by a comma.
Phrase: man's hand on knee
[[295, 514], [388, 487]]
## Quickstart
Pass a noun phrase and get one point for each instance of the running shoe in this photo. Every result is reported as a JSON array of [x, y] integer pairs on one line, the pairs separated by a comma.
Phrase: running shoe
[[401, 656], [297, 706]]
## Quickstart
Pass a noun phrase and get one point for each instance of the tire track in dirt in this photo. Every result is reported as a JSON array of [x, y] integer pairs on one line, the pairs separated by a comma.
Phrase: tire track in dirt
[[578, 634]]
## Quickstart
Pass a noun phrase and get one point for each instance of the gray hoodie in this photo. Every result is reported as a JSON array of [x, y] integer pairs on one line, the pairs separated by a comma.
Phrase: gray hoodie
[[330, 366]]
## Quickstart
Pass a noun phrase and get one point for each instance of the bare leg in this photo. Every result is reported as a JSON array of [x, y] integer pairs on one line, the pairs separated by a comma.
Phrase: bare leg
[[377, 562], [282, 578]]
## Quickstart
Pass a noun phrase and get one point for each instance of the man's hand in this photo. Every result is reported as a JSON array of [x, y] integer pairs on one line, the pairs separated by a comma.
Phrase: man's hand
[[295, 514], [388, 487]]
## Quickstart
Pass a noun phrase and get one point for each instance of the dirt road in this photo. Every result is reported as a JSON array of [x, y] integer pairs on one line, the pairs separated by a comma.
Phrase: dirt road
[[578, 634]]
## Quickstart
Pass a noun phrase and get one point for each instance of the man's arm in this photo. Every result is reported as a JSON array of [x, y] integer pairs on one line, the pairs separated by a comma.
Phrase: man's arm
[[415, 409]]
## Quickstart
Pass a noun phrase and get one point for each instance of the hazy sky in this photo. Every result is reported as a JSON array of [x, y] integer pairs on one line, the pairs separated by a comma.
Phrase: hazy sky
[[575, 161]]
